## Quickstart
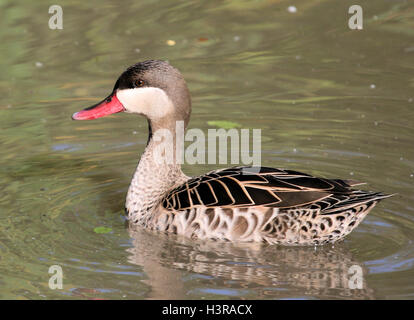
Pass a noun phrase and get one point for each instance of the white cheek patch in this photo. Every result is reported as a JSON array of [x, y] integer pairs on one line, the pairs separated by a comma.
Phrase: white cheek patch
[[151, 102]]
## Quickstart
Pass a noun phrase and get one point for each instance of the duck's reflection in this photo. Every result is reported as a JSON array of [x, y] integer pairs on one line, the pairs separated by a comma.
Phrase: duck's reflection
[[177, 267]]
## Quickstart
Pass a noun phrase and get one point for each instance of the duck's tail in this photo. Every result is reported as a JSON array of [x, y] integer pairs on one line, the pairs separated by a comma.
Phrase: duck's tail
[[354, 199]]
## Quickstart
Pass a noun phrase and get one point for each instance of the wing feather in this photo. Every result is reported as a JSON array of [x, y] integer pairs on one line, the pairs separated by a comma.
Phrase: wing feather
[[262, 186]]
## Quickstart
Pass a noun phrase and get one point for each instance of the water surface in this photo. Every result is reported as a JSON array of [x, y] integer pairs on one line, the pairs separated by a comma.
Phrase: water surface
[[330, 101]]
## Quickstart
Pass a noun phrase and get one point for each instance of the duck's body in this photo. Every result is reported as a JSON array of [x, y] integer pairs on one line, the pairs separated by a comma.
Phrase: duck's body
[[245, 204], [238, 204]]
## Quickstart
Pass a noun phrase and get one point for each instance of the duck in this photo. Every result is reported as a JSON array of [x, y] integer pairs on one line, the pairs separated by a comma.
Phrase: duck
[[237, 204]]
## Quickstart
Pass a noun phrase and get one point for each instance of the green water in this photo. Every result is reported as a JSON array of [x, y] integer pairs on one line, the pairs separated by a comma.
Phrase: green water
[[330, 101]]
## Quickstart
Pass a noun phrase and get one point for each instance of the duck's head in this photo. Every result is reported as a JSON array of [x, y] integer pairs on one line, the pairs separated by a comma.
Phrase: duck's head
[[152, 88]]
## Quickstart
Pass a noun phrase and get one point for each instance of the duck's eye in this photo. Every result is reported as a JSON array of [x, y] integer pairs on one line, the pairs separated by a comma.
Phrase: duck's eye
[[139, 83]]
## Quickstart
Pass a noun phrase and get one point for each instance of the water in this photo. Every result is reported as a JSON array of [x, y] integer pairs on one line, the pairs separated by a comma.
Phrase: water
[[330, 101]]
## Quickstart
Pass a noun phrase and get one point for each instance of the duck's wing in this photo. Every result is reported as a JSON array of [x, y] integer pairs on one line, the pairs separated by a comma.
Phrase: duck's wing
[[258, 186]]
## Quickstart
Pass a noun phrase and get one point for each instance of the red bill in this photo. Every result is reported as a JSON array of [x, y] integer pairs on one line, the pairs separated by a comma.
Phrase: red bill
[[106, 107]]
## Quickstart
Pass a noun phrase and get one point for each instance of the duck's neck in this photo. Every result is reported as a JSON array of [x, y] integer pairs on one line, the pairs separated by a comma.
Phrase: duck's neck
[[154, 176]]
